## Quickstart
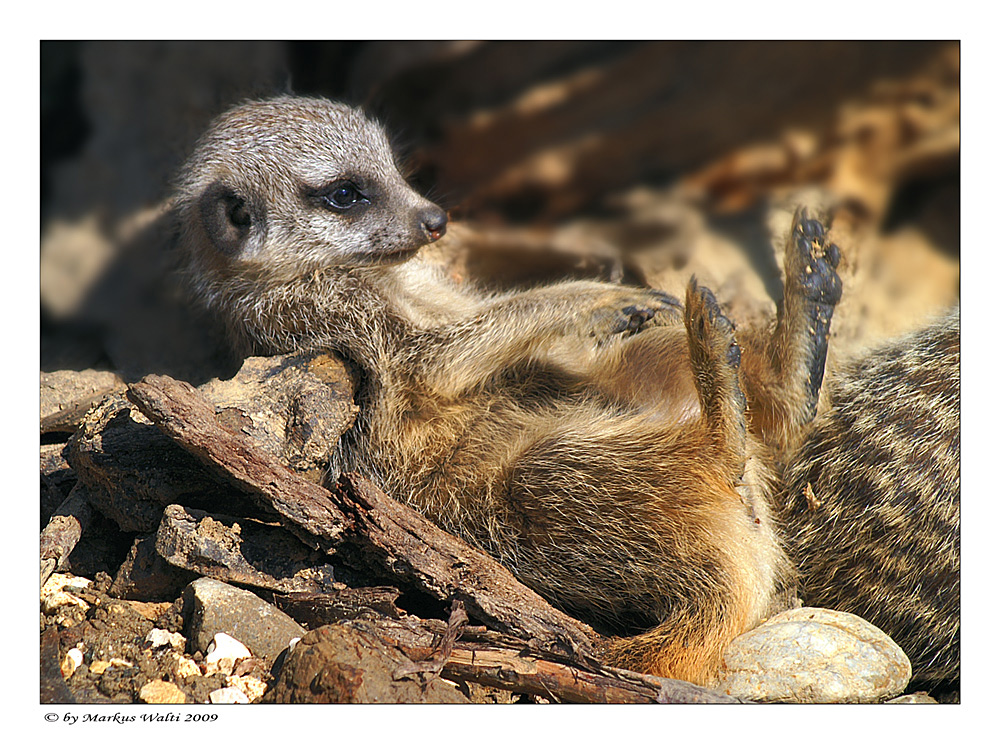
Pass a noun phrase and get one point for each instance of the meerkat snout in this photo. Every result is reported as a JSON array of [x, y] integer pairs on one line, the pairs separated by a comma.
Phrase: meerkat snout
[[433, 221]]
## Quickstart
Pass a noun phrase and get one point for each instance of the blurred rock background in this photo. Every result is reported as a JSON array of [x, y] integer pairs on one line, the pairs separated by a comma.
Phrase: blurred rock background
[[640, 162]]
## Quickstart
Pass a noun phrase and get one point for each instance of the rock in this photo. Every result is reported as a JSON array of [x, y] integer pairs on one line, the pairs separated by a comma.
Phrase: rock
[[241, 551], [337, 664], [252, 687], [228, 695], [187, 668], [73, 659], [158, 691], [223, 653], [219, 608], [811, 655]]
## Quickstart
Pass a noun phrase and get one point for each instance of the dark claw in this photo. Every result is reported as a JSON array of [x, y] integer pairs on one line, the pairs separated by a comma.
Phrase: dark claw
[[812, 229], [733, 355]]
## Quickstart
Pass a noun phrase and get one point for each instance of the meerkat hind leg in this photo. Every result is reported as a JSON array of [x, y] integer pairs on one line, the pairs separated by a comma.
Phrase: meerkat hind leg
[[746, 562], [784, 369], [715, 361]]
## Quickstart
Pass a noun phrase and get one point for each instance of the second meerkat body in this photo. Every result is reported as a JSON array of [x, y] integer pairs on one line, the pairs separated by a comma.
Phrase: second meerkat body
[[591, 437]]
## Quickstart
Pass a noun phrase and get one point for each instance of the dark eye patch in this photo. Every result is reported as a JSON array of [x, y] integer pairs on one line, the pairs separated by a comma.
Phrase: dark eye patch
[[339, 196]]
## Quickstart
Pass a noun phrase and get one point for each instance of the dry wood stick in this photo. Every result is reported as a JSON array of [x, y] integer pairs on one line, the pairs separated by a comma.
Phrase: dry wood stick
[[501, 661], [63, 531]]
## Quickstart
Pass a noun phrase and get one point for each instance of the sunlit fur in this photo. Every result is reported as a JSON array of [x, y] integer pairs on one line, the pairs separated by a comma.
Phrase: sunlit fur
[[611, 471]]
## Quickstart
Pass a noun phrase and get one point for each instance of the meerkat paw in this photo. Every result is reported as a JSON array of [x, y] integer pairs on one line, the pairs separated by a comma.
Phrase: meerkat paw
[[614, 317], [811, 262], [715, 360]]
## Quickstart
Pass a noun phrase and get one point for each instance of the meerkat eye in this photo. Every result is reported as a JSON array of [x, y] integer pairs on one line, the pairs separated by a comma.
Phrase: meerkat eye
[[343, 195]]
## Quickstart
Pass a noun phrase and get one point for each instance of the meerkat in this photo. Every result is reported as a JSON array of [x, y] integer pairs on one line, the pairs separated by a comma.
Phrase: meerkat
[[871, 501], [593, 438]]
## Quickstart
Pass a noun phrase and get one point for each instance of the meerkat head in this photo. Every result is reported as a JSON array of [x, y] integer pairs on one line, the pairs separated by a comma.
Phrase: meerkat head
[[283, 187]]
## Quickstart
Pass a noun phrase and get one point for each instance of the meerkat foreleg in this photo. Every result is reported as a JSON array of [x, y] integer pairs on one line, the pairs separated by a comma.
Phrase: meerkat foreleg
[[547, 324]]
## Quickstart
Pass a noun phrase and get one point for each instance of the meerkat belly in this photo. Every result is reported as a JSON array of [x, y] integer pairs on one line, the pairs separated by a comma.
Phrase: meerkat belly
[[651, 374]]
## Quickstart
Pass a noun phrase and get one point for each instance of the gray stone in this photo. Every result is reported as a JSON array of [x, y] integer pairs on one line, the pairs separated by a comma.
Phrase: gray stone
[[811, 655], [215, 607]]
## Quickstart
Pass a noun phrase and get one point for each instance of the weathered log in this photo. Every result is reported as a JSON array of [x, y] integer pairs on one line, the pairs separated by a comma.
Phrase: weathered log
[[388, 534], [63, 531]]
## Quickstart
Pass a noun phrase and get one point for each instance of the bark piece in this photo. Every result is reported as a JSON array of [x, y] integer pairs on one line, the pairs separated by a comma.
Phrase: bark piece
[[53, 688], [501, 661], [147, 577], [241, 552], [314, 610], [132, 470]]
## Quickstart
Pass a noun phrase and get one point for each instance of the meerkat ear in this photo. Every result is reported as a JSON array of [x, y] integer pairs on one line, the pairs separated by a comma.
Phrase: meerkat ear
[[227, 217]]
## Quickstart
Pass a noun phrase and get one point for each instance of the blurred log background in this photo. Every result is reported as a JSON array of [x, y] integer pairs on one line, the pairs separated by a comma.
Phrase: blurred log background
[[641, 162]]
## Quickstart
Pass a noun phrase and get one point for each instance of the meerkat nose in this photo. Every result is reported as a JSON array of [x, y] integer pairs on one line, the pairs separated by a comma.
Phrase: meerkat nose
[[433, 221]]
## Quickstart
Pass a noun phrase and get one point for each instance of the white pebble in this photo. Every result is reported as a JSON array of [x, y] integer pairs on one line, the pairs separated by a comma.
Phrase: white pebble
[[223, 653], [53, 595], [158, 637], [74, 658], [228, 695]]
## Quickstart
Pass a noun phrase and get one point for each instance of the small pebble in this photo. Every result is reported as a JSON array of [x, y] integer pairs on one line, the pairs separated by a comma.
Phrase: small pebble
[[187, 668], [161, 692], [99, 667], [158, 638], [228, 695], [74, 658], [223, 653], [252, 687]]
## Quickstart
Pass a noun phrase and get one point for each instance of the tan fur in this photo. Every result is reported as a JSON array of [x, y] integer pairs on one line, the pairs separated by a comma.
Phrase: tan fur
[[592, 438]]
